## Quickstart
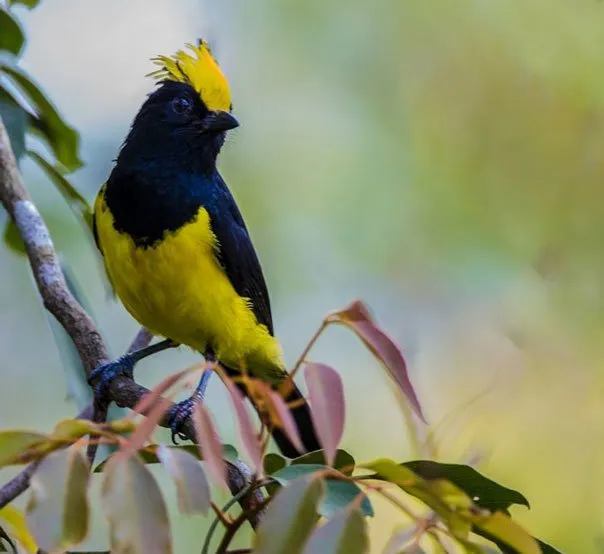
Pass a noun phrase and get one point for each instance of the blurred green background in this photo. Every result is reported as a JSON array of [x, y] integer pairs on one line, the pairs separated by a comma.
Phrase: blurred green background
[[441, 160]]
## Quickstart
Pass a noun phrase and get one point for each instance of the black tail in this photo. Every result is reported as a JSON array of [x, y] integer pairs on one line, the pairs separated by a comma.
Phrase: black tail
[[302, 418]]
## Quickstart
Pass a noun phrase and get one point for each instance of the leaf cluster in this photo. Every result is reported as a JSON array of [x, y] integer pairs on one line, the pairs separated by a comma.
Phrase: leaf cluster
[[35, 127], [318, 502]]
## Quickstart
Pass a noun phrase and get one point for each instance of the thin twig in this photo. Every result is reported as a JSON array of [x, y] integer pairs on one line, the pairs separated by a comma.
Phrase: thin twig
[[17, 484], [143, 338], [69, 313], [232, 529], [253, 510], [287, 383]]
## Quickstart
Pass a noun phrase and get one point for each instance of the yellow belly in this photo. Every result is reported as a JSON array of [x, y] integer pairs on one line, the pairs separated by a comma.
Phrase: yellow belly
[[177, 289]]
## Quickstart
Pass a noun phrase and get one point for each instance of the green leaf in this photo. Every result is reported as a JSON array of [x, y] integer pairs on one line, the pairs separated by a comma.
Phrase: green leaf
[[12, 238], [290, 517], [447, 500], [57, 511], [546, 548], [339, 493], [27, 3], [483, 491], [229, 452], [18, 527], [192, 488], [62, 139], [15, 443], [135, 508], [506, 533], [345, 533], [343, 461], [72, 429], [11, 34], [77, 203], [273, 462], [505, 548], [15, 120]]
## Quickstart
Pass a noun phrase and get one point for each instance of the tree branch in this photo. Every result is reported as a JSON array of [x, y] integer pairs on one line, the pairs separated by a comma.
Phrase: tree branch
[[69, 313], [17, 485]]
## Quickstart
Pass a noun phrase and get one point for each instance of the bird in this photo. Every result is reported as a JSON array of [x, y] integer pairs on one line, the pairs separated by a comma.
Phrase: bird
[[175, 246]]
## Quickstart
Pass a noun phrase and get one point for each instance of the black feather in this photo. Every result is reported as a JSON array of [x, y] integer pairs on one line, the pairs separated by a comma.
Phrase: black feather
[[165, 172]]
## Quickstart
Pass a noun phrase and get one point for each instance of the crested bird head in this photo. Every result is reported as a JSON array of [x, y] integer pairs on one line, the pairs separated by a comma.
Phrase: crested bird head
[[200, 71], [187, 117]]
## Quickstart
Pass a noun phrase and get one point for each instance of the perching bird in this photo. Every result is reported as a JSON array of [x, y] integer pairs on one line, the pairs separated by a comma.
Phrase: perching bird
[[174, 244]]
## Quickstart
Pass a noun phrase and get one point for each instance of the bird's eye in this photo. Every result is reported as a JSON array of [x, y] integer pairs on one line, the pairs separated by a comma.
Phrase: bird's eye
[[181, 105]]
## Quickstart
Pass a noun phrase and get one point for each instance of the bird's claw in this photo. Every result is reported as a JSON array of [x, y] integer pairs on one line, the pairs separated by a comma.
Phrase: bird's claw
[[102, 377], [178, 416]]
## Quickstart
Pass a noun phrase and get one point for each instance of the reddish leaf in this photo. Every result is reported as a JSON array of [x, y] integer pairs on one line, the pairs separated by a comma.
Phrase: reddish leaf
[[145, 429], [209, 443], [281, 415], [154, 406], [326, 395], [358, 318], [146, 403], [246, 428]]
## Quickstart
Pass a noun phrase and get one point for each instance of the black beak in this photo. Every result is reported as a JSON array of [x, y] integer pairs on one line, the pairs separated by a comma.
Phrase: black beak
[[220, 121]]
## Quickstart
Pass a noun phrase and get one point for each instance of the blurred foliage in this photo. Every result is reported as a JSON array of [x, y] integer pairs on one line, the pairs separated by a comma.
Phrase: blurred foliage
[[25, 109], [307, 493], [458, 502]]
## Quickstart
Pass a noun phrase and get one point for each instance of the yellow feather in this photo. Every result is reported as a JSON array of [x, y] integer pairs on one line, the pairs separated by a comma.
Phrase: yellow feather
[[177, 289], [199, 70]]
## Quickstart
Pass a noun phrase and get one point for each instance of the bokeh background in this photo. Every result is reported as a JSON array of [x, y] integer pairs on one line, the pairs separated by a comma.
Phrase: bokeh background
[[440, 160]]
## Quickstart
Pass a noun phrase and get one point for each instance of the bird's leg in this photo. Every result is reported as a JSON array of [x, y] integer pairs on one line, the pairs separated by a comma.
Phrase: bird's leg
[[103, 375], [181, 411]]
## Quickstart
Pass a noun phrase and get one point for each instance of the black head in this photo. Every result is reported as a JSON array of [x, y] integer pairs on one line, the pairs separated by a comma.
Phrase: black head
[[175, 126]]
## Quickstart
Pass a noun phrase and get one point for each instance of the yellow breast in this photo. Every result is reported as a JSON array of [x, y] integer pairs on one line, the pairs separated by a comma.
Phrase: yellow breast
[[177, 289]]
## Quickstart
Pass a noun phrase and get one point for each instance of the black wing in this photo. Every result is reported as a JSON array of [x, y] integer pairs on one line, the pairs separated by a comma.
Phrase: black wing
[[237, 256]]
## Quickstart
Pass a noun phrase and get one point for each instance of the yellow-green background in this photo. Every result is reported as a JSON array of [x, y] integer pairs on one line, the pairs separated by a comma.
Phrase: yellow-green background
[[441, 160]]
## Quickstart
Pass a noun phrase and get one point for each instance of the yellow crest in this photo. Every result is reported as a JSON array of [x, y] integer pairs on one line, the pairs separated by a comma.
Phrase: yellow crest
[[199, 70]]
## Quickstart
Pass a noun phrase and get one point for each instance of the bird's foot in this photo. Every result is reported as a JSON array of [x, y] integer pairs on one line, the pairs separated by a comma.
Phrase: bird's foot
[[102, 377], [178, 416]]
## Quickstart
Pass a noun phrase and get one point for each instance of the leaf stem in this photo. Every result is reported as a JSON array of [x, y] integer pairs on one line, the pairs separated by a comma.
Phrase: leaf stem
[[206, 544], [234, 527], [298, 364]]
